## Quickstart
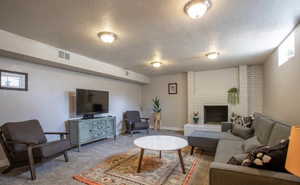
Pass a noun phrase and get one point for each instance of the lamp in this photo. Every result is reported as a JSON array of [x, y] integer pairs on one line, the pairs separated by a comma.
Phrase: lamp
[[107, 37], [292, 163], [156, 64], [197, 8], [212, 55]]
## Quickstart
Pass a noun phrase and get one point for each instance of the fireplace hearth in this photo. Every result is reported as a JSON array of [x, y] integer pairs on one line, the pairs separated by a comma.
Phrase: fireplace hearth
[[215, 114]]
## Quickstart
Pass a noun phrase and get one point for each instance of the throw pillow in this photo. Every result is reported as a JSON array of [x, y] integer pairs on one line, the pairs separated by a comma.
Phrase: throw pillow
[[242, 121], [268, 158], [237, 159], [250, 144], [242, 132]]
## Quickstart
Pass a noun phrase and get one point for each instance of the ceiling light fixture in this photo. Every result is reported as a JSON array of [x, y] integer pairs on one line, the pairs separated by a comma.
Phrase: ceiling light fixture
[[197, 8], [156, 64], [107, 37], [212, 55]]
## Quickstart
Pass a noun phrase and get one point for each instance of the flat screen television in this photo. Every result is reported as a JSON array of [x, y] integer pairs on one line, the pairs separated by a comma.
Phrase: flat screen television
[[90, 102]]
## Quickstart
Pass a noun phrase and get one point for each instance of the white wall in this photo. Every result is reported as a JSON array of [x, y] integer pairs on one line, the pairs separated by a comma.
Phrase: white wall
[[205, 88], [282, 86], [255, 88], [210, 88], [174, 107], [47, 97], [242, 108]]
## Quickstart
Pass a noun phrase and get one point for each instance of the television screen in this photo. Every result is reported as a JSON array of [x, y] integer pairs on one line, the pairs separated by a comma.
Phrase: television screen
[[91, 102]]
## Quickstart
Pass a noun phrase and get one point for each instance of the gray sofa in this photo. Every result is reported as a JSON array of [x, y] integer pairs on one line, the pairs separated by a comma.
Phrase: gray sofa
[[267, 132]]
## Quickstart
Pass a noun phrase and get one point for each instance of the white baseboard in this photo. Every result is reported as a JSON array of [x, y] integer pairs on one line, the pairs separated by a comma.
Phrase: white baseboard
[[172, 128]]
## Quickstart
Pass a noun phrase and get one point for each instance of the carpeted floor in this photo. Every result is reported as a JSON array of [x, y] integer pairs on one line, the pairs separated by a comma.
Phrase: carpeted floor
[[57, 172]]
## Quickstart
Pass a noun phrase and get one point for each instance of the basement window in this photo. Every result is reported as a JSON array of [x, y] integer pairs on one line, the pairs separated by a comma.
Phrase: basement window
[[286, 49], [13, 80]]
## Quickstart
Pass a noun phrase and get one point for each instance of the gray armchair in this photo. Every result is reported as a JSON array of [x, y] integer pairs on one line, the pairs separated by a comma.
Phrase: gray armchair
[[134, 122], [25, 144]]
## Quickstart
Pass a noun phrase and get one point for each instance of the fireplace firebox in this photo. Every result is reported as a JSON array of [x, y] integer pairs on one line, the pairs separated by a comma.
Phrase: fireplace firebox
[[215, 113]]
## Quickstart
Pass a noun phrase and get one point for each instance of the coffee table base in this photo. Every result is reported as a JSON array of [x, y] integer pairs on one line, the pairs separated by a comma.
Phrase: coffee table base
[[142, 155]]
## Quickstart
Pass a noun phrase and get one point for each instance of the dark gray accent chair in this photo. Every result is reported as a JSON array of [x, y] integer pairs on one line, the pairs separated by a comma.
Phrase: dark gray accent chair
[[25, 145], [134, 122]]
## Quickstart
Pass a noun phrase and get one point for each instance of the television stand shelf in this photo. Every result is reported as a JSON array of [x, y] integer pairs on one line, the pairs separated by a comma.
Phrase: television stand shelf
[[84, 131]]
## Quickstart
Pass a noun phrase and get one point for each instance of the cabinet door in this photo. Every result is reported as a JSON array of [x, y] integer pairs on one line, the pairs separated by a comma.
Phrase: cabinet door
[[110, 128], [98, 129], [85, 132]]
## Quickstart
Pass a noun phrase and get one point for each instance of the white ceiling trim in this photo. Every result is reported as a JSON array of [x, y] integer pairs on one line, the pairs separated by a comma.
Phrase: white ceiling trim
[[41, 53]]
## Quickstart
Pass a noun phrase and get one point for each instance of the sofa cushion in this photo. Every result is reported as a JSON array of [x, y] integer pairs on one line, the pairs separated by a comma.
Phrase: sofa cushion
[[242, 132], [23, 155], [51, 149], [27, 131], [55, 147], [229, 136], [226, 149], [263, 128], [237, 159], [251, 144], [133, 116], [279, 132], [141, 125]]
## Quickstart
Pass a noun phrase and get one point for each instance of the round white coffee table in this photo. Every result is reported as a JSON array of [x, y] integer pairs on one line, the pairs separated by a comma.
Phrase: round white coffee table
[[161, 143]]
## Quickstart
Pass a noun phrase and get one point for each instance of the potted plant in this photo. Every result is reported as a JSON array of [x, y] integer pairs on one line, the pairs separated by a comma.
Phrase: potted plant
[[196, 117], [157, 112], [233, 96]]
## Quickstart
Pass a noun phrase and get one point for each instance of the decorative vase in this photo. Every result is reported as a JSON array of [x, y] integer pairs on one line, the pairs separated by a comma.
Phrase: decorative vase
[[196, 120]]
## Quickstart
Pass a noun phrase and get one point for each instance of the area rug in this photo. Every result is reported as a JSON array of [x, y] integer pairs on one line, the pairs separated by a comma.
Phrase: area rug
[[121, 169]]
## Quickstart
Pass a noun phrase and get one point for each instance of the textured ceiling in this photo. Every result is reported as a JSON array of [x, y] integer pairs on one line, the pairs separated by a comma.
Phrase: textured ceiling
[[243, 31]]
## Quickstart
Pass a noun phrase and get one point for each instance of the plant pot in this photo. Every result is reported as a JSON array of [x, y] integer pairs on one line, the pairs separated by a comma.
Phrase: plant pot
[[157, 115], [196, 120]]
